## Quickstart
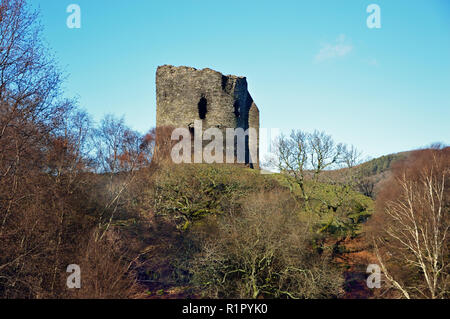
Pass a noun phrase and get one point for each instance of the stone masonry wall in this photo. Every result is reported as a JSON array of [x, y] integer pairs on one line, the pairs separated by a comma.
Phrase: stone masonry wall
[[185, 94]]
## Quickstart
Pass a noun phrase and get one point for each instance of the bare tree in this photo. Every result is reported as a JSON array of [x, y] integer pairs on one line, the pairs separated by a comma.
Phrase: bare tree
[[415, 231], [29, 91], [119, 150], [265, 251], [292, 157], [366, 185], [351, 156], [49, 197], [306, 155], [324, 152]]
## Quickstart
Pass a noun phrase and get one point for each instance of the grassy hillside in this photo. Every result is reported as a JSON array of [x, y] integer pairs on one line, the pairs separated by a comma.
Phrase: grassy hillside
[[380, 164], [193, 204], [366, 177]]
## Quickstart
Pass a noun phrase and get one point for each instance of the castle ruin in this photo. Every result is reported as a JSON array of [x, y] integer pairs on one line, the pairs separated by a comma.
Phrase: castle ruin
[[185, 94]]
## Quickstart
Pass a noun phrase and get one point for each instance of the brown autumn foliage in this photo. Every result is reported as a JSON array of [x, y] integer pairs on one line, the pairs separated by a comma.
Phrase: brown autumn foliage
[[409, 231], [54, 211], [75, 193], [106, 198], [263, 250]]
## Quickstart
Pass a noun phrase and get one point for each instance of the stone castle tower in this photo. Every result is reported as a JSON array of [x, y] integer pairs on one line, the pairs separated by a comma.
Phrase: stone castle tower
[[185, 94]]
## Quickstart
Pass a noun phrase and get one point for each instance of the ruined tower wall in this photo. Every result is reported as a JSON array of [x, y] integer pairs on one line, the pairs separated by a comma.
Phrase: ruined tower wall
[[183, 94], [253, 121]]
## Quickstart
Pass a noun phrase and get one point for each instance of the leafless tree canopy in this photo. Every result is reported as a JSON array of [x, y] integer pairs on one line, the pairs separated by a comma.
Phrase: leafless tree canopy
[[52, 207], [306, 155], [108, 198], [412, 247], [264, 252]]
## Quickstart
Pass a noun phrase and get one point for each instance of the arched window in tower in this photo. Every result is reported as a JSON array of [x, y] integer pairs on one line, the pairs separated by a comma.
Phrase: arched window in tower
[[202, 108]]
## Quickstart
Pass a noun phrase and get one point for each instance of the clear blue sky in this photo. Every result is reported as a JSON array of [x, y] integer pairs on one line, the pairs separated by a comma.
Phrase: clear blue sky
[[309, 64]]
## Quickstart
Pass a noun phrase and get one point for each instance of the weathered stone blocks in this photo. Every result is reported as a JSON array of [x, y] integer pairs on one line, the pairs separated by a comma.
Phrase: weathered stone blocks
[[185, 94]]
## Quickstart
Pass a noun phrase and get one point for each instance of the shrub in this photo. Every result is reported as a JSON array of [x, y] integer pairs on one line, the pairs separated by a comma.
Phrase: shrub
[[188, 193], [264, 251]]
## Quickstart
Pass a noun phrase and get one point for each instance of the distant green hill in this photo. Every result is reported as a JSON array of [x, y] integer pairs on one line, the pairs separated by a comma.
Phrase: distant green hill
[[365, 177], [380, 164]]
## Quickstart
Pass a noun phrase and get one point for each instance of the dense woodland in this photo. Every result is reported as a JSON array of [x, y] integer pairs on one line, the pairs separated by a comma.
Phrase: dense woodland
[[108, 199]]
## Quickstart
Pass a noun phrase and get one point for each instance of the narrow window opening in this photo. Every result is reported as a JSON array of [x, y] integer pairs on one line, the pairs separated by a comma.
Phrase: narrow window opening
[[224, 82], [202, 108], [192, 131], [236, 108]]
